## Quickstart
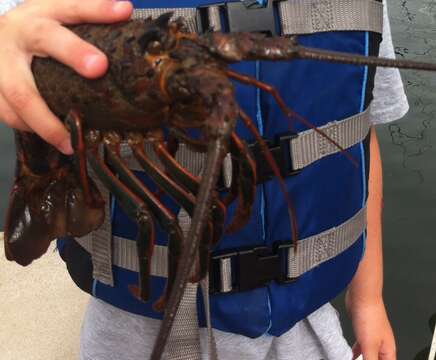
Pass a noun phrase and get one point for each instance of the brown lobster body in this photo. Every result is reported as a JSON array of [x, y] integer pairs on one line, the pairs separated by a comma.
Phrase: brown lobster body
[[159, 78], [130, 95]]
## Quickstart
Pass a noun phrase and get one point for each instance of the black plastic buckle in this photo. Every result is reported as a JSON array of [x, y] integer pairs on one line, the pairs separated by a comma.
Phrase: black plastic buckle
[[280, 150], [245, 15], [252, 268]]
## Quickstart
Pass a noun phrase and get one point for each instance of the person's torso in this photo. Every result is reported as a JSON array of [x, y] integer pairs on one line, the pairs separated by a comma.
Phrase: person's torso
[[326, 194]]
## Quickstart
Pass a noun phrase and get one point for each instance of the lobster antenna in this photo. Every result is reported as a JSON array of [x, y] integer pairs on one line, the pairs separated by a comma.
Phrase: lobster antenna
[[302, 52], [288, 112], [273, 165]]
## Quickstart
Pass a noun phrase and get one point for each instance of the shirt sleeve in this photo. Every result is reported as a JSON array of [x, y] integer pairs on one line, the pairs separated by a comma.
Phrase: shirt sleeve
[[390, 102]]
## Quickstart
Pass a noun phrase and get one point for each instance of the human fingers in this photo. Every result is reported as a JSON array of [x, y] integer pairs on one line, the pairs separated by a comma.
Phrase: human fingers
[[79, 11], [63, 45], [37, 30], [10, 118], [20, 93]]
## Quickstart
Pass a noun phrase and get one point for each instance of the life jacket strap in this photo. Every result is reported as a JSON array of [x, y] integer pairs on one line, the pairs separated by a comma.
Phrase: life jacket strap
[[293, 152], [101, 249], [247, 269], [184, 340], [295, 16], [234, 271], [309, 146], [320, 248], [313, 16]]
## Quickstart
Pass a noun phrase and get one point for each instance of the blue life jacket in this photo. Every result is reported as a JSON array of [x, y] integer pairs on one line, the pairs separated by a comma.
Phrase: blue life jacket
[[325, 193]]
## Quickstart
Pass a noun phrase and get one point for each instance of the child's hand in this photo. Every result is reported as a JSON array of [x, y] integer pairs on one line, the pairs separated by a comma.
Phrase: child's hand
[[35, 29], [373, 332]]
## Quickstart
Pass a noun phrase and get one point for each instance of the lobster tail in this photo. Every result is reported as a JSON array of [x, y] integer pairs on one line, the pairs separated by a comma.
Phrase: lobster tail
[[46, 201]]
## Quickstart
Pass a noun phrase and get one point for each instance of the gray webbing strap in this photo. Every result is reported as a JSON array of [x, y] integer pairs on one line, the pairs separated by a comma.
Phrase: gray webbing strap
[[99, 242], [189, 14], [298, 16], [125, 256], [317, 249], [190, 160], [184, 340], [311, 251], [309, 146], [314, 16], [305, 149], [226, 274]]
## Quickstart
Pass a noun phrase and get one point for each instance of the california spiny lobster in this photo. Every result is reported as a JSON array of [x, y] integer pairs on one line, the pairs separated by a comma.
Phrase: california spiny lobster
[[160, 77]]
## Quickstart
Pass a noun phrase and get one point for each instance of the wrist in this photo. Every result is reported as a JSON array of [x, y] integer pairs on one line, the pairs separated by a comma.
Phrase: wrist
[[355, 301]]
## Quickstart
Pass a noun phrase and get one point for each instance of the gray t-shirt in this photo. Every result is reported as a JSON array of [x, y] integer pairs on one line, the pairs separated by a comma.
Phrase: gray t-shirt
[[112, 334]]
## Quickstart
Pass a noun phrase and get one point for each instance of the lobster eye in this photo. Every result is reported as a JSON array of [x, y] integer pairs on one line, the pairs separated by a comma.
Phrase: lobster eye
[[150, 37], [154, 47]]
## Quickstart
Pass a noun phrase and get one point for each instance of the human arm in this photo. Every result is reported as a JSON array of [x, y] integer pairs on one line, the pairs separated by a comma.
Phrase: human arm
[[34, 28], [364, 298]]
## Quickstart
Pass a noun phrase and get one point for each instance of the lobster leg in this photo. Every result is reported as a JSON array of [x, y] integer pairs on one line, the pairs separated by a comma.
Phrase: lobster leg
[[215, 155], [180, 195], [243, 179], [74, 124], [288, 112], [163, 216], [176, 171], [194, 145], [268, 157], [265, 151], [184, 199], [243, 184], [47, 201], [136, 209], [191, 183]]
